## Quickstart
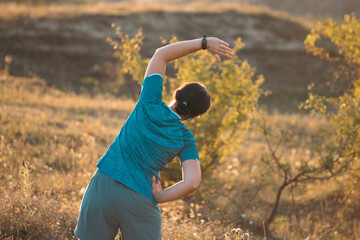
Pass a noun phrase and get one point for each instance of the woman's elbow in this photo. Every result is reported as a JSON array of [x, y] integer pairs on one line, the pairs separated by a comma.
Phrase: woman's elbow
[[161, 54], [196, 186], [158, 52], [193, 185]]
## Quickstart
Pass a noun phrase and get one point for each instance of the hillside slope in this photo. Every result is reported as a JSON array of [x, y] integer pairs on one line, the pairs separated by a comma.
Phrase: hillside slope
[[64, 50], [318, 9]]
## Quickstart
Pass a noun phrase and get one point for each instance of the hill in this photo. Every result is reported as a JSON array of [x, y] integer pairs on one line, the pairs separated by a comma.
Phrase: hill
[[318, 9], [62, 45]]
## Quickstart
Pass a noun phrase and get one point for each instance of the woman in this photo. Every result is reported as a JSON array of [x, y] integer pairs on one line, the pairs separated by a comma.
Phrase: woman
[[125, 189]]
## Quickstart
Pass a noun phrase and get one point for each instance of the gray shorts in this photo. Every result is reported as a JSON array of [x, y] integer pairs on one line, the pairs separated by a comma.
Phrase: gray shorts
[[108, 205]]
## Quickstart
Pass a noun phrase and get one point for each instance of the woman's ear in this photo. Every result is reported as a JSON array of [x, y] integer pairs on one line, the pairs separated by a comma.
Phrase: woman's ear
[[175, 93]]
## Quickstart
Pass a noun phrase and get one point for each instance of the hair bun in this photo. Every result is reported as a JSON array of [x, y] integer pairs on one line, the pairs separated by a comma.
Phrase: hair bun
[[192, 99]]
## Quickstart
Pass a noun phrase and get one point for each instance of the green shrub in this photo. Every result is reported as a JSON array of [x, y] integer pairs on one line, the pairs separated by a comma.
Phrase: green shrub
[[343, 111], [233, 86]]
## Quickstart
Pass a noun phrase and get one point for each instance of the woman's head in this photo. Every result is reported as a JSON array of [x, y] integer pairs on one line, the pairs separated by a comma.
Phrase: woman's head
[[191, 100]]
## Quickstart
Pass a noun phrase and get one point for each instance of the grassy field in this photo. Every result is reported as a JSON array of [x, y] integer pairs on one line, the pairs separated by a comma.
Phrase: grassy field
[[53, 127], [50, 142]]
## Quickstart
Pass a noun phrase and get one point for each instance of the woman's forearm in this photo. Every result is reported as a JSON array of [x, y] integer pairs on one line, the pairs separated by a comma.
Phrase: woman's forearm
[[179, 49], [176, 191], [191, 170]]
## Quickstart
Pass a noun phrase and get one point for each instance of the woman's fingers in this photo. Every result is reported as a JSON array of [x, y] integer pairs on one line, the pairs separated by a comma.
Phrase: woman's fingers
[[156, 186], [154, 180], [219, 47], [225, 43], [216, 57], [225, 48], [226, 53], [222, 53]]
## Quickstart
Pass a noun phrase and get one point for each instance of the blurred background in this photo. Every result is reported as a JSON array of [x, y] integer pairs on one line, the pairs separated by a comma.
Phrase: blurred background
[[65, 45], [65, 95]]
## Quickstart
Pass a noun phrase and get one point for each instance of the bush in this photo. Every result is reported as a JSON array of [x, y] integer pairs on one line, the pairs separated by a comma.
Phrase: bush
[[343, 111], [335, 150], [232, 84]]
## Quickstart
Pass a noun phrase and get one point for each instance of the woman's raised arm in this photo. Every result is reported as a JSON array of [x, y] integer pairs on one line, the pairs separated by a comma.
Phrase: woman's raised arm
[[177, 50]]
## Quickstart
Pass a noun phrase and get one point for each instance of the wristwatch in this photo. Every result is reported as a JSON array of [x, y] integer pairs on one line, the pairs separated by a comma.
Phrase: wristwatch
[[203, 42]]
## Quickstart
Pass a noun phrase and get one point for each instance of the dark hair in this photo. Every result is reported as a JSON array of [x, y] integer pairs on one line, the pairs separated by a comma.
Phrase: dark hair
[[192, 99]]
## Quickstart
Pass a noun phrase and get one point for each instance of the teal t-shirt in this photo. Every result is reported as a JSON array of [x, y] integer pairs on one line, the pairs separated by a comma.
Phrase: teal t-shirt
[[150, 138]]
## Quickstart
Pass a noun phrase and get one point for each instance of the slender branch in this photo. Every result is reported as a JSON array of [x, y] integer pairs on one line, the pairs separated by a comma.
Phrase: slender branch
[[281, 139], [277, 201], [273, 154]]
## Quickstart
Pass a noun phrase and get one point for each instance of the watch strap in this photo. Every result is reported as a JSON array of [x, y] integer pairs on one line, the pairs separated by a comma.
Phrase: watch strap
[[203, 42]]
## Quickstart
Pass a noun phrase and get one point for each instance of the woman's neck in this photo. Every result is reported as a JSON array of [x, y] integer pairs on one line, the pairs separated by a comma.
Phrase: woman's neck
[[172, 107]]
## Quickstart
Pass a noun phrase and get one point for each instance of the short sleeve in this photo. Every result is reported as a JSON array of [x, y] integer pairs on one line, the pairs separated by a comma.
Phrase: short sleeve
[[151, 88], [189, 151]]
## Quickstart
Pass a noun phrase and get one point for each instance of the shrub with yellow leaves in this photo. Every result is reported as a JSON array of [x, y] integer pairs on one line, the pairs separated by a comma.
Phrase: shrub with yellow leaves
[[232, 84]]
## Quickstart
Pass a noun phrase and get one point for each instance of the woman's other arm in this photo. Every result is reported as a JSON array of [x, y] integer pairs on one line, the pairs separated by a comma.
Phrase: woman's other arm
[[191, 180], [177, 50]]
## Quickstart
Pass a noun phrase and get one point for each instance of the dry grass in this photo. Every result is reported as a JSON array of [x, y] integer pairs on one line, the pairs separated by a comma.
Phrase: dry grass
[[61, 135]]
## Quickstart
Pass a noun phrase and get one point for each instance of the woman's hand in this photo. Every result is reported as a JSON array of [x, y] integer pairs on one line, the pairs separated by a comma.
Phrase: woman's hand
[[218, 47], [156, 187]]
